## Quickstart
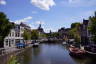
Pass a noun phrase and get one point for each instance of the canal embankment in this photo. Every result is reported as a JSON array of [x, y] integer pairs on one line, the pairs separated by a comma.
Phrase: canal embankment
[[5, 54]]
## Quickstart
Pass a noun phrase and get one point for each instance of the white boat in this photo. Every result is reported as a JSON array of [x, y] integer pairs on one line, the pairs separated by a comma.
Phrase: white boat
[[36, 44], [64, 43]]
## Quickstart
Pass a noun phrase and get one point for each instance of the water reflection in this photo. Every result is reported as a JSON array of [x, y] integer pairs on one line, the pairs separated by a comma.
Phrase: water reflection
[[50, 54], [36, 51]]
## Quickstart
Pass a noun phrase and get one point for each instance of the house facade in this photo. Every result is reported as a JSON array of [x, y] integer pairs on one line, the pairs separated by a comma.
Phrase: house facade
[[84, 32], [15, 35]]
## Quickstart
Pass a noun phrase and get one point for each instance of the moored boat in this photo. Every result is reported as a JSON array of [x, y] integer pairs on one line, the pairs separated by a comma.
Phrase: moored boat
[[76, 52], [35, 43], [91, 50], [64, 43]]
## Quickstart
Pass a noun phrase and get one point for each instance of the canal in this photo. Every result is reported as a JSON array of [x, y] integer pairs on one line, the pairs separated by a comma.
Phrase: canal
[[49, 54]]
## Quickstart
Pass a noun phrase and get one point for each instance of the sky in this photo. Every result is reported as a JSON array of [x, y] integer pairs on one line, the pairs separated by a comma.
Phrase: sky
[[52, 14]]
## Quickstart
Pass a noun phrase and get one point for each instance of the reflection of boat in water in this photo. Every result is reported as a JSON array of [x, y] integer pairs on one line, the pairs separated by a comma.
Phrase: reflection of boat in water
[[64, 43], [76, 52]]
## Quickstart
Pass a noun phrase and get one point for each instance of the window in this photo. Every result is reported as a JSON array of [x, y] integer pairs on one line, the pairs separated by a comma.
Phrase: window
[[12, 41], [12, 33], [6, 42], [17, 41], [17, 35], [9, 34], [9, 42]]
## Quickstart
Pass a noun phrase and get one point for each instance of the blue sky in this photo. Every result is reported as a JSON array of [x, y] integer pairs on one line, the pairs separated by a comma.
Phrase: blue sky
[[52, 14]]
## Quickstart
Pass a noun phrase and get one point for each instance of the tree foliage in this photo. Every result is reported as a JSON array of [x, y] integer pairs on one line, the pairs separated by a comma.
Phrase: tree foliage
[[74, 32], [34, 34], [27, 35], [92, 27], [54, 34], [5, 27], [74, 25]]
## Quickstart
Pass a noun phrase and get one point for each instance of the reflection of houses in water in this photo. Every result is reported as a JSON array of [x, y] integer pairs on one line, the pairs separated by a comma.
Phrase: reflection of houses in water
[[15, 35]]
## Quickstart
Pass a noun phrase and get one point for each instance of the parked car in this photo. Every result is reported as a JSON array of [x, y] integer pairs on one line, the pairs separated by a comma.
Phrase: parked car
[[20, 45]]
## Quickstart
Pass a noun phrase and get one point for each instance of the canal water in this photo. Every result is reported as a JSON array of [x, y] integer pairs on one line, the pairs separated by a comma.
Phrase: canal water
[[49, 54]]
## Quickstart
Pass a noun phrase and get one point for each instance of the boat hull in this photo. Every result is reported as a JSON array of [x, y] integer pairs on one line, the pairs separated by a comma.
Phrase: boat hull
[[35, 44], [91, 55], [77, 55], [76, 52]]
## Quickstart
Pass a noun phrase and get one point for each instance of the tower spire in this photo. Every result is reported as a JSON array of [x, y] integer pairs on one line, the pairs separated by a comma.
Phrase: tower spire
[[40, 25]]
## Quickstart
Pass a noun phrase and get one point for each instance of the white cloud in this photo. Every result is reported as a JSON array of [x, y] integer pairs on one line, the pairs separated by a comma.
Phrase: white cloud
[[23, 20], [40, 22], [32, 26], [2, 2], [43, 4]]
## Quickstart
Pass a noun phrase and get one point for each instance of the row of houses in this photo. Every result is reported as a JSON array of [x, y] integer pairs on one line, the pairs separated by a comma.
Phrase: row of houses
[[15, 35], [86, 36], [83, 30]]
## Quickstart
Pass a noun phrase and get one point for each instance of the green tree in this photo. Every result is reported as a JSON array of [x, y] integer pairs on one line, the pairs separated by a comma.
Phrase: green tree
[[34, 34], [75, 31], [74, 25], [56, 34], [27, 35], [42, 35], [92, 27], [5, 27]]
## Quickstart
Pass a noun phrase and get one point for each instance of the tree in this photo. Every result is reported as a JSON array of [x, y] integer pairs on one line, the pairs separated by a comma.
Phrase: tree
[[74, 25], [5, 27], [92, 27], [27, 35], [75, 31], [34, 35], [55, 34]]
